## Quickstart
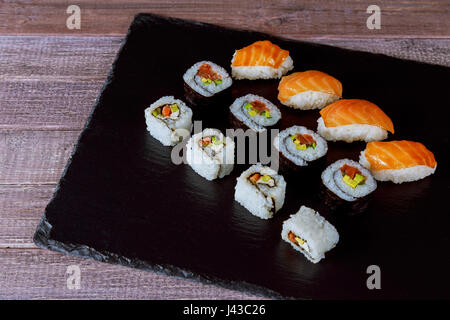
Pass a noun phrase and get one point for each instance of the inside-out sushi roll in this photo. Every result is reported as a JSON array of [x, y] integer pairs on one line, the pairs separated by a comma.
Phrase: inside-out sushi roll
[[352, 120], [204, 81], [261, 60], [308, 232], [309, 90], [261, 191], [298, 147], [210, 154], [168, 120], [398, 161], [347, 186], [255, 112]]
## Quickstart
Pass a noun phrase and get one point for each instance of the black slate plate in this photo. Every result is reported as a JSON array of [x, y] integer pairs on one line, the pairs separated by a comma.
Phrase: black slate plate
[[110, 204]]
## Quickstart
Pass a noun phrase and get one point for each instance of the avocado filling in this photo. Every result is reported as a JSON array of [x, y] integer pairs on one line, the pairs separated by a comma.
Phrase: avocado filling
[[211, 145], [167, 111], [298, 241], [257, 108], [303, 141], [352, 176], [208, 75], [264, 179]]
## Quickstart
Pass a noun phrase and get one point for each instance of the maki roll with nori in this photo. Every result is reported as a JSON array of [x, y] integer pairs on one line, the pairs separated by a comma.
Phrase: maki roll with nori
[[254, 112], [206, 83], [347, 186], [168, 120], [300, 147], [308, 232], [210, 154], [261, 190]]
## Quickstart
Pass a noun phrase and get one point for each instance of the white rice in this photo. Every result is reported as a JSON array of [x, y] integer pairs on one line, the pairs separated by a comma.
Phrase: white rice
[[351, 132], [169, 132], [308, 100], [193, 80], [398, 175], [284, 144], [319, 235], [210, 167], [332, 179], [258, 203], [257, 122], [261, 72]]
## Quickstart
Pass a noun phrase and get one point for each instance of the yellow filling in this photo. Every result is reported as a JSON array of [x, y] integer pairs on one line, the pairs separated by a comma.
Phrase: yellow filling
[[353, 182]]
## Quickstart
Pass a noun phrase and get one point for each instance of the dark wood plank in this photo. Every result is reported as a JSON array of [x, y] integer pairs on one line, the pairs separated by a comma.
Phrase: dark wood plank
[[41, 274], [21, 209], [34, 157], [293, 19]]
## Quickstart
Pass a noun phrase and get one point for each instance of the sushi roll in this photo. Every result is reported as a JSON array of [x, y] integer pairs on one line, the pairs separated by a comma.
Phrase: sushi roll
[[308, 232], [168, 120], [254, 112], [206, 83], [347, 186], [210, 154], [309, 90], [261, 60], [398, 161], [352, 120], [299, 147], [261, 191]]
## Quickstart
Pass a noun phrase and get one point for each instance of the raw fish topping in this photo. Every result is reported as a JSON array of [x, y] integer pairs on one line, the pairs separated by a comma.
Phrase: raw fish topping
[[355, 111], [312, 80], [398, 155], [260, 53]]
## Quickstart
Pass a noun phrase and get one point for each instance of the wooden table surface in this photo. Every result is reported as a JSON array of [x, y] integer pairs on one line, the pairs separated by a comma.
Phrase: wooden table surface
[[50, 77]]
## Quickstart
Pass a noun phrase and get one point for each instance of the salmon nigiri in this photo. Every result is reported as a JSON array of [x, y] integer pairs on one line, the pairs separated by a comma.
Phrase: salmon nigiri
[[352, 120], [261, 60], [398, 161], [309, 90]]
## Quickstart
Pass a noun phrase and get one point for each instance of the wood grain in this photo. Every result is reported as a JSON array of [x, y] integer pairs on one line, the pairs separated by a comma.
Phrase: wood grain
[[34, 157], [287, 18], [41, 274]]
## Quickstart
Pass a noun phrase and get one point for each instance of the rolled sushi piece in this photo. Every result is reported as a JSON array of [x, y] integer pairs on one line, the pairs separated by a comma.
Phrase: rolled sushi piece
[[261, 60], [210, 154], [352, 120], [309, 90], [398, 161], [205, 83], [347, 186], [168, 120], [300, 147], [308, 232], [261, 191], [254, 112]]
